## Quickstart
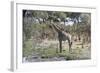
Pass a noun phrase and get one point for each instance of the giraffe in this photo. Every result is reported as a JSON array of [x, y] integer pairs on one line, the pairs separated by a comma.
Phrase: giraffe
[[63, 36]]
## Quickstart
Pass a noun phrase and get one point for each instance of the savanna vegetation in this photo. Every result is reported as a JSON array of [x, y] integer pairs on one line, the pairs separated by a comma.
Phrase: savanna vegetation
[[44, 34]]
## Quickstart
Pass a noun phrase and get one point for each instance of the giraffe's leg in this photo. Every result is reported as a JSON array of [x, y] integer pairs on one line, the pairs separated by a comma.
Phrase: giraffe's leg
[[70, 48], [60, 45]]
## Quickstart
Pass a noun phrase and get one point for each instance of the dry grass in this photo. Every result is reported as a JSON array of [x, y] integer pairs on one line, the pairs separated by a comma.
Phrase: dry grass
[[50, 52]]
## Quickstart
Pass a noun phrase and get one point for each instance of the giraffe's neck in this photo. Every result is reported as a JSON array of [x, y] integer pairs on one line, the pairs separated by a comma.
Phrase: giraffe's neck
[[56, 28]]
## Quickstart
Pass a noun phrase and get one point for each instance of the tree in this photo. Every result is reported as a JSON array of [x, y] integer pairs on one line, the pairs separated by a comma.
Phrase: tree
[[27, 21], [40, 15], [62, 16], [86, 21]]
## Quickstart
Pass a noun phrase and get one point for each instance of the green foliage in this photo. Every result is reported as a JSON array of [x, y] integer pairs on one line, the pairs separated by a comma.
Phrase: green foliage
[[33, 32], [27, 49]]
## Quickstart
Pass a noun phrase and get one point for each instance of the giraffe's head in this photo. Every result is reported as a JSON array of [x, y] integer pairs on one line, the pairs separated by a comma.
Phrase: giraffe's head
[[50, 26]]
